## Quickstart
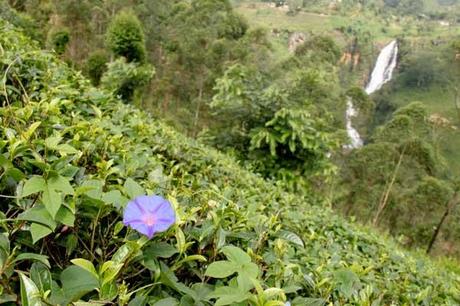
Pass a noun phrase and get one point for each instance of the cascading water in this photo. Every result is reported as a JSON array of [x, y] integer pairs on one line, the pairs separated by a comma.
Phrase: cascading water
[[384, 67], [382, 73]]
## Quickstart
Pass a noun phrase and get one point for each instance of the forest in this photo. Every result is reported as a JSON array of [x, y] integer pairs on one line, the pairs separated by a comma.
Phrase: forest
[[230, 152]]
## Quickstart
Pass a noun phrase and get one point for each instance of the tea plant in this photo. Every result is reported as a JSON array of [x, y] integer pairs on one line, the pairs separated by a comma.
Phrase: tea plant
[[72, 157]]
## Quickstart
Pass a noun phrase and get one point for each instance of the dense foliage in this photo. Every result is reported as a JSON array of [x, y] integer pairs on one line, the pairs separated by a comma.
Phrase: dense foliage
[[70, 158]]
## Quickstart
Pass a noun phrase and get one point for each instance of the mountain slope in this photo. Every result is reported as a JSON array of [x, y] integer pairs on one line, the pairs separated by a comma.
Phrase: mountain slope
[[56, 127]]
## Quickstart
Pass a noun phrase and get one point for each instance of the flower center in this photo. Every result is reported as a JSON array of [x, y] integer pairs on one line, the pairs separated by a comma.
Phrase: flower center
[[149, 220]]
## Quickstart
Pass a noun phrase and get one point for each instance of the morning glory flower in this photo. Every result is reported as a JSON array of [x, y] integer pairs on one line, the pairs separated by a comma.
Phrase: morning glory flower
[[149, 215]]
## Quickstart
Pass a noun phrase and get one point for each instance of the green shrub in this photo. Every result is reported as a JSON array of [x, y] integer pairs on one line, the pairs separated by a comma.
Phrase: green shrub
[[58, 40], [125, 37], [96, 65], [123, 79]]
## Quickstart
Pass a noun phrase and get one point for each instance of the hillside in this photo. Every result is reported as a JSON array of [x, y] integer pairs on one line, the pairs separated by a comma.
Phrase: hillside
[[94, 153], [421, 36]]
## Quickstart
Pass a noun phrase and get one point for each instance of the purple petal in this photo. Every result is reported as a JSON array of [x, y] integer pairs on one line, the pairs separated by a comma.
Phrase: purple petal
[[140, 213], [142, 228], [132, 213]]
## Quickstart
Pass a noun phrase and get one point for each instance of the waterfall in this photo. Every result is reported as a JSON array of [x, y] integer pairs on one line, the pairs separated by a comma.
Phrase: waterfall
[[382, 73], [383, 70], [356, 141]]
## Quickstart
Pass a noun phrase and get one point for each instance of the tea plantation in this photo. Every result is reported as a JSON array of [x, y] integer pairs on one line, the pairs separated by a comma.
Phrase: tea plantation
[[72, 156]]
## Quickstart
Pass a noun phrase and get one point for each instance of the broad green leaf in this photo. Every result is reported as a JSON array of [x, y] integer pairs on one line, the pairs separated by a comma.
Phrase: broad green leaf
[[109, 271], [115, 198], [60, 183], [15, 174], [41, 276], [236, 254], [30, 295], [167, 302], [76, 282], [8, 298], [160, 249], [85, 264], [39, 231], [169, 279], [4, 249], [38, 214], [34, 257], [52, 142], [308, 301], [65, 149], [4, 242], [33, 185], [245, 283], [52, 200], [221, 269], [65, 216], [133, 189], [348, 282], [249, 269], [95, 188], [125, 252], [291, 237], [27, 134], [229, 296]]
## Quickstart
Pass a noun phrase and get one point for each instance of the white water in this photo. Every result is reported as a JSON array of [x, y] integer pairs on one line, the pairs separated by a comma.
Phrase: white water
[[384, 67], [356, 141], [382, 73]]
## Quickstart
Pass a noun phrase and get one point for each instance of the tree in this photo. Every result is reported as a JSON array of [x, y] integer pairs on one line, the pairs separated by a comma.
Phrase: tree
[[124, 79], [125, 37], [58, 39], [96, 65]]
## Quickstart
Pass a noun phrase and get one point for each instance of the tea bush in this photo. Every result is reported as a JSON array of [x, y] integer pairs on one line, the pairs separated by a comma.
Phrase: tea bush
[[71, 157]]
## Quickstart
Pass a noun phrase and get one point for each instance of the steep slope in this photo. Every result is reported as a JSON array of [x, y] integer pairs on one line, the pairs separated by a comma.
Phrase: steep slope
[[94, 153]]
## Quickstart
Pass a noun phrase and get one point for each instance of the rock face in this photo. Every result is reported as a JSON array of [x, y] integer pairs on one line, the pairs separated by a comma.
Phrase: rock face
[[296, 39]]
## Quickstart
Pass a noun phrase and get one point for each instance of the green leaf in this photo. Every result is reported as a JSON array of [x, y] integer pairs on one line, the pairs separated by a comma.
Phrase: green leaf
[[38, 214], [95, 188], [51, 200], [8, 298], [27, 134], [65, 149], [291, 237], [60, 183], [34, 257], [30, 295], [348, 282], [169, 279], [4, 249], [308, 301], [133, 189], [167, 302], [39, 231], [85, 264], [109, 271], [76, 282], [160, 249], [221, 269], [65, 216], [236, 254], [52, 142], [41, 276], [33, 185], [249, 269], [229, 296], [115, 198]]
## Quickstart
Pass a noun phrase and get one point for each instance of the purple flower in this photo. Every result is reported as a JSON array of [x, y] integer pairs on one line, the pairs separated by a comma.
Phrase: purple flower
[[149, 214]]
